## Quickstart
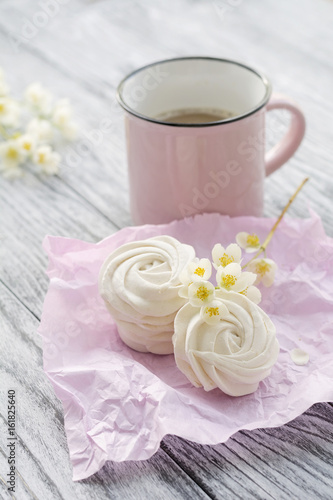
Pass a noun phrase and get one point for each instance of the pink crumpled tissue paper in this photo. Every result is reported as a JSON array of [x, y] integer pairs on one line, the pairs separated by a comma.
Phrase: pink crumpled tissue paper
[[119, 404]]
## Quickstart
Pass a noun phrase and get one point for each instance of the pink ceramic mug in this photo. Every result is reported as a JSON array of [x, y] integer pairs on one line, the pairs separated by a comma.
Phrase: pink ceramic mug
[[177, 169]]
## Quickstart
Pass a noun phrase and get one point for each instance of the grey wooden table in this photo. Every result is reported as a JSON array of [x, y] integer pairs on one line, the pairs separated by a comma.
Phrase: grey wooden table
[[82, 51]]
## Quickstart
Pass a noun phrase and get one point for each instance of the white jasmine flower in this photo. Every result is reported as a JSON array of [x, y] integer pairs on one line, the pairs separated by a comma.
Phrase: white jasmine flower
[[224, 256], [11, 156], [10, 153], [201, 293], [27, 143], [41, 130], [197, 270], [252, 293], [250, 242], [232, 278], [265, 270], [47, 159], [38, 98], [63, 120], [213, 312], [9, 112]]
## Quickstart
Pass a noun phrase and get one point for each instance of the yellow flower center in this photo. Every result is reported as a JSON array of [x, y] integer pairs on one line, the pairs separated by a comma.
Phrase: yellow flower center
[[2, 108], [12, 154], [226, 259], [202, 293], [252, 240], [244, 292], [212, 311], [228, 280], [41, 157], [262, 268], [199, 271], [27, 146]]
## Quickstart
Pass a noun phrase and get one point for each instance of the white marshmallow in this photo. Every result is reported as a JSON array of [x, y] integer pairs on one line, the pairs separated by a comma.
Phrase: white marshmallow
[[139, 283], [235, 354]]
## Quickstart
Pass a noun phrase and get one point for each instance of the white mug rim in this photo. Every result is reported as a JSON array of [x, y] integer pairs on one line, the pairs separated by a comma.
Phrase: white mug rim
[[251, 111]]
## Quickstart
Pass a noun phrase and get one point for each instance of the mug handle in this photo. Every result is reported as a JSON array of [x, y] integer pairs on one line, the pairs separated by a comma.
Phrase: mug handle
[[287, 146]]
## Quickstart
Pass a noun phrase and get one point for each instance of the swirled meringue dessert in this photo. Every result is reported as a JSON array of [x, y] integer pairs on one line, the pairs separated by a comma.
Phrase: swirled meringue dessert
[[139, 283], [234, 354]]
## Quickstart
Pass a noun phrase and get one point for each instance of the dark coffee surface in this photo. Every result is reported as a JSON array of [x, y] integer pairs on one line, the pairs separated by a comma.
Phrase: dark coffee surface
[[195, 116]]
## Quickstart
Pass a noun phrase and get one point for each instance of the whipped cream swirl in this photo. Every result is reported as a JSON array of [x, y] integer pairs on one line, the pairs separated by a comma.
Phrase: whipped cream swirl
[[139, 283], [233, 355]]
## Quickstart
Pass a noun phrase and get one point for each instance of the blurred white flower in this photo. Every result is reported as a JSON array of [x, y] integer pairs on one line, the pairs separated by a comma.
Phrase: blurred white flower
[[27, 144], [201, 293], [213, 312], [10, 158], [40, 129], [47, 159], [265, 270], [23, 142], [250, 242], [38, 99], [232, 278], [62, 118], [224, 256], [9, 112]]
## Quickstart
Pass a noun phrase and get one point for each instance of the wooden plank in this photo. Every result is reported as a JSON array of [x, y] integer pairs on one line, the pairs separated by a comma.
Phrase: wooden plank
[[42, 455], [31, 209], [293, 461]]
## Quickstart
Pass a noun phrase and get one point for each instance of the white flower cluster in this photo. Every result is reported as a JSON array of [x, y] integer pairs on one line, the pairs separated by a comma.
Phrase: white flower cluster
[[229, 277], [28, 129]]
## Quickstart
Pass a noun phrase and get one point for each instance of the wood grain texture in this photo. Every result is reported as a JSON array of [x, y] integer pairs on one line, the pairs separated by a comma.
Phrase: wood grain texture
[[49, 207], [296, 459], [81, 53]]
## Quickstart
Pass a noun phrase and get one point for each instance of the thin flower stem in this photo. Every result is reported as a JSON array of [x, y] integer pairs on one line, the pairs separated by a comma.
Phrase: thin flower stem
[[272, 231]]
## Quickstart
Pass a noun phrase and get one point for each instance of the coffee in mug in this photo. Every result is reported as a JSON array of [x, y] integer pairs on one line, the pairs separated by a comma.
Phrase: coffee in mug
[[194, 116]]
